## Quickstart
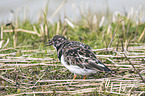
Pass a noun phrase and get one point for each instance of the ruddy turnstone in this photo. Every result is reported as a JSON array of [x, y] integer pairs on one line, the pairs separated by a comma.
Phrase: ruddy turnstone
[[77, 57]]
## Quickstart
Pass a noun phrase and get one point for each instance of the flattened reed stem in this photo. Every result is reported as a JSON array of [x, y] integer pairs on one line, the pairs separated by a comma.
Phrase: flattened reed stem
[[135, 69]]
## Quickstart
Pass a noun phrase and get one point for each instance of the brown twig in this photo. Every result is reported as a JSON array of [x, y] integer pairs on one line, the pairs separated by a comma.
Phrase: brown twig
[[114, 34], [117, 44], [39, 78], [122, 43], [129, 41], [123, 30], [8, 80], [135, 69]]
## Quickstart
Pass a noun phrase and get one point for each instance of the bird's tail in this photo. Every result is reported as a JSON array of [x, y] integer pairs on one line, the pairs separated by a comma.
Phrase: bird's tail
[[104, 67]]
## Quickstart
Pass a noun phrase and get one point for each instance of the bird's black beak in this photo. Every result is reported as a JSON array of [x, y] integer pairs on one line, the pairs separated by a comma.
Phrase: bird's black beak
[[48, 43]]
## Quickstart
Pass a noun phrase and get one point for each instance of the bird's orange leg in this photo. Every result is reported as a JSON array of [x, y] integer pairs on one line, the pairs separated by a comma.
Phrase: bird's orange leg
[[74, 77], [84, 77]]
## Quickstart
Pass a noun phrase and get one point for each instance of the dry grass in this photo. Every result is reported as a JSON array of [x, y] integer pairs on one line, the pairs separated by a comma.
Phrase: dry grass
[[31, 75], [29, 68]]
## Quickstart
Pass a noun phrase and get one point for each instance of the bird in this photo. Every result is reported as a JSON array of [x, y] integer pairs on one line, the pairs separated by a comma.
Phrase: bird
[[76, 56]]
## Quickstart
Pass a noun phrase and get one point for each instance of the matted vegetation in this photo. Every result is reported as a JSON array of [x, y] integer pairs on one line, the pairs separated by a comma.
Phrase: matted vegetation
[[27, 67]]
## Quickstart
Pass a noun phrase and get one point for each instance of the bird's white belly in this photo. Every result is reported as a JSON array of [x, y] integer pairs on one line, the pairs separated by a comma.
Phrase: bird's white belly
[[75, 69]]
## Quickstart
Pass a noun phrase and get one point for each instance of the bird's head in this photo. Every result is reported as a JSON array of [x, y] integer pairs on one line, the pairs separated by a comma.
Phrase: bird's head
[[57, 41]]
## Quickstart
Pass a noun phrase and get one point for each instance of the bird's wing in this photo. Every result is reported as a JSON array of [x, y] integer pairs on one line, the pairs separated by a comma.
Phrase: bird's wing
[[83, 58]]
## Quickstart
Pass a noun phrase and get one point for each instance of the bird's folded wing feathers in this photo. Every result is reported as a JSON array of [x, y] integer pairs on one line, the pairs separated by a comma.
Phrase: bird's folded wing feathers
[[83, 58]]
